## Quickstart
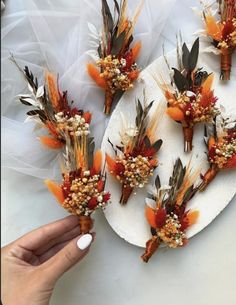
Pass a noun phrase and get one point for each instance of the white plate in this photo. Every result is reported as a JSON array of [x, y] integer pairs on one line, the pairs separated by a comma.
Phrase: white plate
[[129, 221]]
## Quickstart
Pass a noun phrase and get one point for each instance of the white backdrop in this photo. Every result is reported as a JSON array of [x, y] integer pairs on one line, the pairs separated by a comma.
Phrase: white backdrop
[[54, 34]]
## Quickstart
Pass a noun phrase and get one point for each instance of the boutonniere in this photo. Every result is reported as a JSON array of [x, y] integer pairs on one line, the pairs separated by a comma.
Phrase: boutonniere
[[51, 110], [167, 212], [222, 32], [221, 150], [116, 70], [136, 155], [81, 191], [190, 97]]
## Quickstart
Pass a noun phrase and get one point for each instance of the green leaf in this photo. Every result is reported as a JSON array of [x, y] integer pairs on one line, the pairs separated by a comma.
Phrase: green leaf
[[107, 17], [157, 145], [180, 81], [24, 102], [185, 56], [157, 182], [118, 44], [193, 57], [147, 141]]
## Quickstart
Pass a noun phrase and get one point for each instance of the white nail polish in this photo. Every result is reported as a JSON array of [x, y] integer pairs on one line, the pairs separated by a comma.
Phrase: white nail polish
[[84, 241]]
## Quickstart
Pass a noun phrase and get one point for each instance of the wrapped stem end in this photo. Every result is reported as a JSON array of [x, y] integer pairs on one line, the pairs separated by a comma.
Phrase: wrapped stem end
[[85, 224], [151, 246], [108, 102], [188, 138], [126, 192], [208, 177], [226, 62]]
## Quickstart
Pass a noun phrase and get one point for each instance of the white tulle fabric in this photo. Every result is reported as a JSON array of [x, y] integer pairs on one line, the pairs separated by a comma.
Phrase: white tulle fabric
[[54, 34]]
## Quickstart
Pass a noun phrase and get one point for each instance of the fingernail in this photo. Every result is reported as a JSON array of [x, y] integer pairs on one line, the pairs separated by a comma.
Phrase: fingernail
[[84, 241]]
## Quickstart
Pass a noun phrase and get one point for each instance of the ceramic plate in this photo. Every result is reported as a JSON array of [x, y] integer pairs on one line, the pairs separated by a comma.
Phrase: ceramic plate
[[129, 221]]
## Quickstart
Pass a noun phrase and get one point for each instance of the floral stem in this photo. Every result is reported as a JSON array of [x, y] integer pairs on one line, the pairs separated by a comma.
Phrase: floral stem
[[151, 246], [108, 102], [208, 177], [188, 138], [85, 224], [226, 62], [126, 192]]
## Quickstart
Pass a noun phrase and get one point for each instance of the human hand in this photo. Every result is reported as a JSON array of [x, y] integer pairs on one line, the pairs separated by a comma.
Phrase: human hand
[[32, 264]]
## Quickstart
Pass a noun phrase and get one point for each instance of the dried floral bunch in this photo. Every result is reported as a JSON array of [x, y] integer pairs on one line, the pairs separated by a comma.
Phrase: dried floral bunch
[[82, 189], [222, 32], [136, 158], [221, 145], [52, 111], [167, 212], [190, 99], [117, 69]]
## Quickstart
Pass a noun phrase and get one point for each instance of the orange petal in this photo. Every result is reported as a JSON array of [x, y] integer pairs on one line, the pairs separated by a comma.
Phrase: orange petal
[[211, 142], [136, 50], [52, 89], [213, 28], [56, 190], [111, 163], [87, 116], [95, 75], [231, 163], [169, 96], [97, 161], [153, 162], [52, 128], [192, 217], [206, 86], [175, 113], [133, 75], [51, 142], [150, 215]]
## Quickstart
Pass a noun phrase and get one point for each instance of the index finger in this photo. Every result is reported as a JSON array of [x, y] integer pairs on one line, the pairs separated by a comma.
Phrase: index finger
[[43, 235]]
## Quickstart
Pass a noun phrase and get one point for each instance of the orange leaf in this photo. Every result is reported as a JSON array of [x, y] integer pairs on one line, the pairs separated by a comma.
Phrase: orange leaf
[[213, 28], [175, 113], [87, 116], [51, 142], [211, 142], [192, 217], [56, 190], [97, 161], [111, 163], [153, 162], [136, 50], [52, 89], [151, 217], [95, 75], [206, 86]]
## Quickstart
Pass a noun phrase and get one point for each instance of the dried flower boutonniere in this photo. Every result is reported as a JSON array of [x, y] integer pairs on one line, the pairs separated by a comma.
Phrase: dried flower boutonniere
[[117, 61], [136, 158], [221, 145], [51, 110], [82, 189], [222, 33], [167, 212], [190, 99]]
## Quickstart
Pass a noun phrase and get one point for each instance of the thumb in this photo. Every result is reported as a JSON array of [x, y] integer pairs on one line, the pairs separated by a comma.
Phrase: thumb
[[68, 256]]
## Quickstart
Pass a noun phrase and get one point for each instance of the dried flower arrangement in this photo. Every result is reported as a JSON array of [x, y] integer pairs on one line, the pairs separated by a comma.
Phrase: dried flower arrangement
[[51, 110], [221, 146], [118, 69], [82, 189], [222, 32], [167, 212], [190, 98], [135, 158]]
